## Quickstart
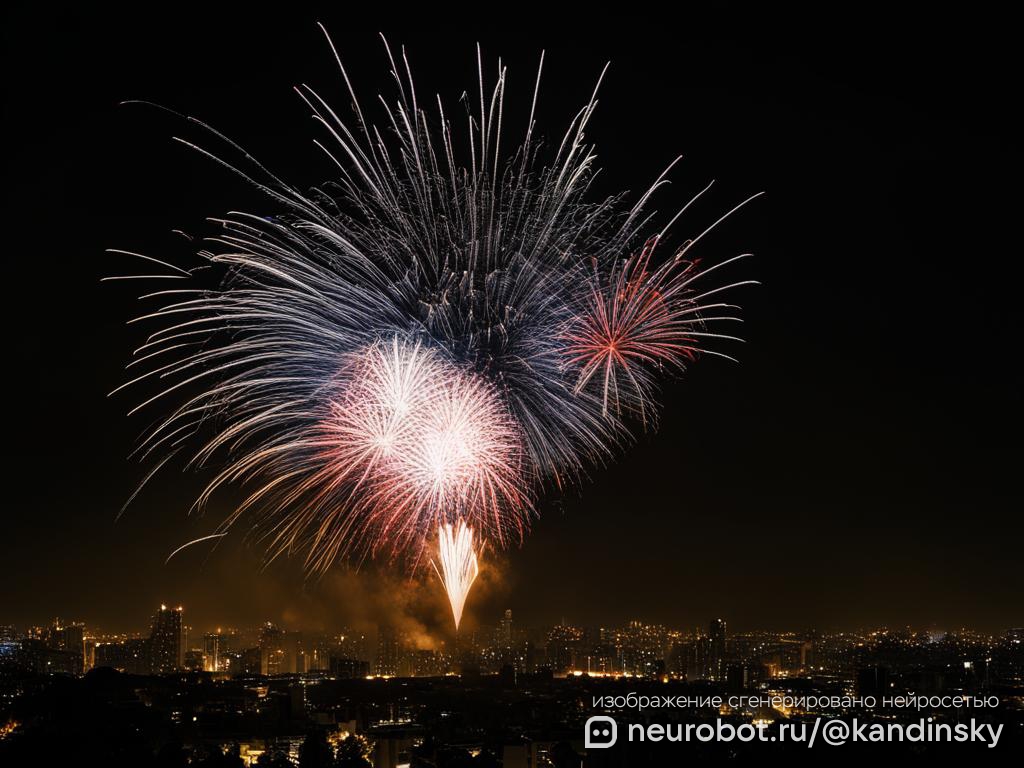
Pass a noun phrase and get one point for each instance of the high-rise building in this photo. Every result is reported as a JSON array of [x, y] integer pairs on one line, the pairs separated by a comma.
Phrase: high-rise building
[[563, 650], [272, 652], [505, 629], [389, 651], [348, 669], [295, 658], [132, 656], [213, 647], [193, 660], [165, 641], [249, 662], [717, 633], [66, 637], [354, 645]]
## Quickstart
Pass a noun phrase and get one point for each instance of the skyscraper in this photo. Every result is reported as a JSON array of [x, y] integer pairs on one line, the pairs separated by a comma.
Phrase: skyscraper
[[165, 640], [389, 651], [272, 655], [505, 629], [66, 637], [212, 649], [717, 655]]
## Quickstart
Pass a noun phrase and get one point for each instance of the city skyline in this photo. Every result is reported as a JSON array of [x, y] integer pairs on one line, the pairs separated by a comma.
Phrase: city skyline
[[515, 696], [171, 645], [151, 624]]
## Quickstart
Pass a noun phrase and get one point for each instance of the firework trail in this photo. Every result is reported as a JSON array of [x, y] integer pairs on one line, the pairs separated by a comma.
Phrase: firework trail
[[459, 567], [423, 344]]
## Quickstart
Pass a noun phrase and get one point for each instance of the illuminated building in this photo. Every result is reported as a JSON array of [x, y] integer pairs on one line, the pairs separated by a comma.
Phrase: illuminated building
[[717, 634], [424, 663], [65, 637], [564, 643], [505, 629], [193, 660], [213, 647], [389, 648], [272, 654], [166, 650]]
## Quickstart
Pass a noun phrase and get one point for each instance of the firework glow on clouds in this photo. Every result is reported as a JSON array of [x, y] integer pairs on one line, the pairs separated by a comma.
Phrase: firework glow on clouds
[[398, 363]]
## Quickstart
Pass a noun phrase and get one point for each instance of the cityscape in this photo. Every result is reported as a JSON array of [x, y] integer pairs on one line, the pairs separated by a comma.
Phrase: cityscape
[[510, 695]]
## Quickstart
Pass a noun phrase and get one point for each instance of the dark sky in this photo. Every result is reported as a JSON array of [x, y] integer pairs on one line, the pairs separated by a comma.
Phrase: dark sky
[[860, 465]]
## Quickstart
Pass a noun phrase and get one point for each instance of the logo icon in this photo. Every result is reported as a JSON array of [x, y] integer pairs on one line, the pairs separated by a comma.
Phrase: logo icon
[[601, 732]]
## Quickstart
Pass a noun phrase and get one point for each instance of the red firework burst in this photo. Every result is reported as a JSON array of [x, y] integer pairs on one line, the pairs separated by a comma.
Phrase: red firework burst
[[637, 321]]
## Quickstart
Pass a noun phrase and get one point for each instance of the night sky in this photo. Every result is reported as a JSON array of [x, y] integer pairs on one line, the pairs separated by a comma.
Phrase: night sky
[[861, 465]]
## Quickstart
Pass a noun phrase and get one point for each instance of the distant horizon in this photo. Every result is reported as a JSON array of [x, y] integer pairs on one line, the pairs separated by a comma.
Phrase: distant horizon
[[443, 632]]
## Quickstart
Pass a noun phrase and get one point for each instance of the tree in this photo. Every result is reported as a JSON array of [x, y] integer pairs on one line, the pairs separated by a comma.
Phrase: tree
[[564, 756], [486, 759], [214, 757], [273, 758], [315, 752], [353, 752], [171, 755]]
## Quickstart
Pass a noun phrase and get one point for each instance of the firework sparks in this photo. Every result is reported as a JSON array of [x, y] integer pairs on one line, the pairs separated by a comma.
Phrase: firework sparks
[[639, 320], [414, 438], [437, 336], [459, 566]]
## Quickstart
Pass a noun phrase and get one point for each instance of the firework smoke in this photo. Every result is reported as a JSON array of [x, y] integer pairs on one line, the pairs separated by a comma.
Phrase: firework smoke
[[425, 343]]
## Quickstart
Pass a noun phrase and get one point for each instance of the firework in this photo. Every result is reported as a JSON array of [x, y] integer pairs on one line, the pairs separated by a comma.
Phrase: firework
[[430, 340], [459, 566], [638, 321], [416, 441]]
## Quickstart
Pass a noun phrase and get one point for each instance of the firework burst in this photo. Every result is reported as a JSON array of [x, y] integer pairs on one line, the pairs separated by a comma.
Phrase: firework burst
[[416, 441], [423, 344], [638, 321]]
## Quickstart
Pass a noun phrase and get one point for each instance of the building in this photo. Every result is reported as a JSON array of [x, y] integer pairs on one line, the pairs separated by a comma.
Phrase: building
[[505, 629], [563, 649], [717, 656], [35, 656], [295, 661], [272, 652], [213, 648], [389, 651], [166, 647], [69, 638], [348, 669], [132, 656], [193, 660]]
